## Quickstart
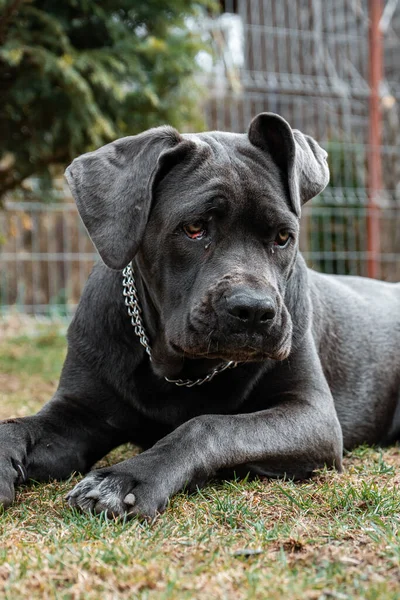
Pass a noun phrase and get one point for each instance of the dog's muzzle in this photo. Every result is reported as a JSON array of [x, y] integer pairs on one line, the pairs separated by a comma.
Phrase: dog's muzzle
[[238, 323]]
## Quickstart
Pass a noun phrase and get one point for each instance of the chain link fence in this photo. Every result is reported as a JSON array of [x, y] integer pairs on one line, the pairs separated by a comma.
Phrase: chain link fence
[[308, 60]]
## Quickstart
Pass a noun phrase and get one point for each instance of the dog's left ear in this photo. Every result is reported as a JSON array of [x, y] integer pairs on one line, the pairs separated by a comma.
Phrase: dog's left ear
[[296, 154], [113, 189]]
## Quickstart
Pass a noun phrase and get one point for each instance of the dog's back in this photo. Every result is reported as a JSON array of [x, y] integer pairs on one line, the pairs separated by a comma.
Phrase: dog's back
[[357, 328]]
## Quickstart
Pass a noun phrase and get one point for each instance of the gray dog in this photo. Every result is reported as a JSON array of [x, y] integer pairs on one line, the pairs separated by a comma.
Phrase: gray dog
[[216, 349]]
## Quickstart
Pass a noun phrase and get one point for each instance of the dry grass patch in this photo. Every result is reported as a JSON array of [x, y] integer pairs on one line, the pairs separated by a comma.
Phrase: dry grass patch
[[336, 536]]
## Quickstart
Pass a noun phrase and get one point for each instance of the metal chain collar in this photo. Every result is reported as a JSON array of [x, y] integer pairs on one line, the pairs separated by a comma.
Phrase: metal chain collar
[[134, 311]]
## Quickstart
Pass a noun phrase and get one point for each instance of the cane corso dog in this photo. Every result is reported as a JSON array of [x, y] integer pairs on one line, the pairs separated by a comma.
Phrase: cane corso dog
[[203, 338]]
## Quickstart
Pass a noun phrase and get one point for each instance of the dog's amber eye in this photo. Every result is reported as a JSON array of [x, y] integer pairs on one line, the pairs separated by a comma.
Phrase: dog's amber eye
[[195, 231], [282, 238]]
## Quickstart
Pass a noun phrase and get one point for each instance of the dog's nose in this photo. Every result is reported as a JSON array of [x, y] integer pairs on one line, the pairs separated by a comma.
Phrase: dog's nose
[[251, 308]]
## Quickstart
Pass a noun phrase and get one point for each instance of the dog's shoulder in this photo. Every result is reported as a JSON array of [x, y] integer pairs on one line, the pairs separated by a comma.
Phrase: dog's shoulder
[[355, 317], [101, 328], [101, 298], [361, 293]]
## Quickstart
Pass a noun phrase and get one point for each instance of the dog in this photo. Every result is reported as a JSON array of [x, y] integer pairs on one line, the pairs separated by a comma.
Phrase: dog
[[202, 337]]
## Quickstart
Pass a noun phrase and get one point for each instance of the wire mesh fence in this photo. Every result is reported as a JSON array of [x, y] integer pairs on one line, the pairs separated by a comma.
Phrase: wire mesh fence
[[48, 256], [332, 70], [308, 60]]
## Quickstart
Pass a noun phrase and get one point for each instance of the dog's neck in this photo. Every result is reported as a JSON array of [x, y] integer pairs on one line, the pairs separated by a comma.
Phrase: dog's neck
[[150, 313]]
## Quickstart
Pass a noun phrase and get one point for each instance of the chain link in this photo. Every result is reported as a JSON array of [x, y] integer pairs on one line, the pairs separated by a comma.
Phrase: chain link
[[134, 311]]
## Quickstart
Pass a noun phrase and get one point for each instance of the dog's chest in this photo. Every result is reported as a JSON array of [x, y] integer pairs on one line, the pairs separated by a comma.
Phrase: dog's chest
[[227, 393]]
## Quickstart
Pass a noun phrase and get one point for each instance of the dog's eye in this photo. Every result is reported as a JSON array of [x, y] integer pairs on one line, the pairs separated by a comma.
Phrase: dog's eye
[[195, 231], [282, 239]]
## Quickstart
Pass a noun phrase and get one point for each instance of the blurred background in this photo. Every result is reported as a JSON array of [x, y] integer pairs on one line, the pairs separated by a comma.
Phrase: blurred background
[[79, 73]]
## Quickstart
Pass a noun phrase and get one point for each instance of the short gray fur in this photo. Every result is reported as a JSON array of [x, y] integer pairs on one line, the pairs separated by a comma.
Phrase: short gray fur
[[319, 355]]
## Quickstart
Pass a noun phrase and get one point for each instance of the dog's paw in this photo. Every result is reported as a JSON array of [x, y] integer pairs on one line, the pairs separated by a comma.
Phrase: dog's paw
[[117, 494], [12, 474]]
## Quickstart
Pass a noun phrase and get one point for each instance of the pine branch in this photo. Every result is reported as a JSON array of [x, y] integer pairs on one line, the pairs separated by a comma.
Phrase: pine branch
[[6, 18], [10, 179]]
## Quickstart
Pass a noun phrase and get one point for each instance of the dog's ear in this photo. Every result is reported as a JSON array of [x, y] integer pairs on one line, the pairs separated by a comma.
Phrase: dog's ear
[[296, 154], [113, 189]]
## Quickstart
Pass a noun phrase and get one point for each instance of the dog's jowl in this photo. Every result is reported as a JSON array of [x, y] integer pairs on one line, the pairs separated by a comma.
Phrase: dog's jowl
[[201, 336]]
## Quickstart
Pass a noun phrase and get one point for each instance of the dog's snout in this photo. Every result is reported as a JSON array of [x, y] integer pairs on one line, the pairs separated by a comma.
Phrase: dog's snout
[[252, 308]]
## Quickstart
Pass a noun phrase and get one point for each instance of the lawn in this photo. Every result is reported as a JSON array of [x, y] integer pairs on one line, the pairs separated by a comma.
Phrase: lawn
[[335, 536]]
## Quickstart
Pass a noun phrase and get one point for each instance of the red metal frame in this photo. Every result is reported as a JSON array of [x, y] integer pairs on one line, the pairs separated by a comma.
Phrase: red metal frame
[[375, 136]]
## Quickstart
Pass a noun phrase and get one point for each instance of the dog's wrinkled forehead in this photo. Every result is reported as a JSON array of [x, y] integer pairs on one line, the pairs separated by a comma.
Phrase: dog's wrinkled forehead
[[226, 166], [234, 149]]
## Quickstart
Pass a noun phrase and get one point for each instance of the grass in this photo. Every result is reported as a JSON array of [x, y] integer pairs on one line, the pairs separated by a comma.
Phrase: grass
[[336, 536]]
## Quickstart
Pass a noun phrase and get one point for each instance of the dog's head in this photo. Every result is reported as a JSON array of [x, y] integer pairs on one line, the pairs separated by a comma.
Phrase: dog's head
[[212, 221]]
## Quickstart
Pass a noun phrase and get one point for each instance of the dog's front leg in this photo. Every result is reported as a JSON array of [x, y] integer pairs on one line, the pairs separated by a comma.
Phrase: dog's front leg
[[66, 436], [299, 435], [80, 424]]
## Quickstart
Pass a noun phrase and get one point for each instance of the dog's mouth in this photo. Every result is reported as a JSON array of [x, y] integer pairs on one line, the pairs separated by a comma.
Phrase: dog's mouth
[[192, 360], [199, 350], [238, 354]]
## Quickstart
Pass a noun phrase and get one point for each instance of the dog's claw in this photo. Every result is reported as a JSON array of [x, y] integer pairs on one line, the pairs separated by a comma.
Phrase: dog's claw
[[70, 499], [95, 494], [130, 499], [23, 475], [22, 472]]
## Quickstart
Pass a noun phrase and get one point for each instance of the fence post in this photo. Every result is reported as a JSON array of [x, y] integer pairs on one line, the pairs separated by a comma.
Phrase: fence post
[[375, 136]]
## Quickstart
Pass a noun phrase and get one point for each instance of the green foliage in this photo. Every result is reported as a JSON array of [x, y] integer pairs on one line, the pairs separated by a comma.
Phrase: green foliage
[[75, 74], [338, 217]]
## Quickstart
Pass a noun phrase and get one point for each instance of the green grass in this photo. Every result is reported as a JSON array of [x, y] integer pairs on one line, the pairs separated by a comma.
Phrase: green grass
[[336, 536]]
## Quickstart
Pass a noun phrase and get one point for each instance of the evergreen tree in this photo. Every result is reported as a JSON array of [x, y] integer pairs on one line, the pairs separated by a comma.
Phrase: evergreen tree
[[75, 74]]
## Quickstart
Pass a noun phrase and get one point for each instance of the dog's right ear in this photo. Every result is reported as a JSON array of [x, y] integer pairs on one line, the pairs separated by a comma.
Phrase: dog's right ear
[[297, 155], [113, 189]]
